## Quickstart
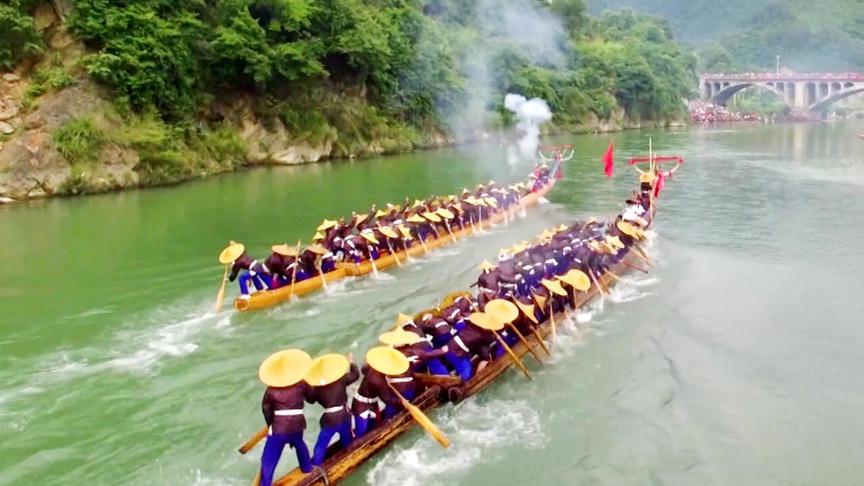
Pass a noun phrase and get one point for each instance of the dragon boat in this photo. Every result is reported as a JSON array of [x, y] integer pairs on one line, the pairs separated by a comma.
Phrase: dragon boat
[[268, 298]]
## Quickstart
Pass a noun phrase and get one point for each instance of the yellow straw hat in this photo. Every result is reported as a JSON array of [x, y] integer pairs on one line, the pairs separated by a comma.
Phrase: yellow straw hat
[[399, 338], [406, 233], [485, 321], [491, 201], [284, 368], [231, 252], [387, 361], [450, 298], [414, 218], [576, 279], [646, 177], [540, 300], [327, 369], [432, 217], [361, 218], [284, 250], [591, 220], [370, 237], [554, 286], [388, 232], [318, 236], [380, 213], [502, 310], [641, 221], [528, 311], [614, 241], [417, 204], [626, 228], [317, 249], [435, 312], [401, 320], [325, 225], [561, 227], [486, 265], [445, 213]]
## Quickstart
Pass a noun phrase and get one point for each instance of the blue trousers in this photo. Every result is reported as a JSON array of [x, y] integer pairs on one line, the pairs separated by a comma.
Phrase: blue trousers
[[363, 425], [257, 280], [461, 365], [436, 367], [328, 265], [327, 433], [273, 451], [391, 409]]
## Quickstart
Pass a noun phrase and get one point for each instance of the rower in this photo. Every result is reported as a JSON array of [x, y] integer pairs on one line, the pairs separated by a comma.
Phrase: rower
[[423, 346], [282, 406], [397, 371], [331, 374], [475, 340], [366, 407], [488, 279], [326, 262], [254, 271]]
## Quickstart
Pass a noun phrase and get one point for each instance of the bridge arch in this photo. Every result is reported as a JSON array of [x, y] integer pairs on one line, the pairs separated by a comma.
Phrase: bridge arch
[[834, 98], [724, 95]]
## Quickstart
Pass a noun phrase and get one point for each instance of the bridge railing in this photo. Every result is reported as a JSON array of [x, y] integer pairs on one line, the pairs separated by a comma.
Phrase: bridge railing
[[850, 76]]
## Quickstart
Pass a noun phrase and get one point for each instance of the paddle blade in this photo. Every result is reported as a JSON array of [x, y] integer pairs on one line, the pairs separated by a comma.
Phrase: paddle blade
[[428, 425], [220, 296]]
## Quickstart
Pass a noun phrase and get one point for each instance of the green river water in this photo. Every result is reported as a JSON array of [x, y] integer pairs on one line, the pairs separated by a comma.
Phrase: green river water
[[735, 361]]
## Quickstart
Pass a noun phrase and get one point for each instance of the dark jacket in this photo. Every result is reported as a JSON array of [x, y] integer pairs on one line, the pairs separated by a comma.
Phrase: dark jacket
[[334, 395], [286, 398]]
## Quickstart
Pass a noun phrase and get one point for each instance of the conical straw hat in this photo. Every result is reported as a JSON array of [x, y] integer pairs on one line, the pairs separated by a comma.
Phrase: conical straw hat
[[284, 250], [554, 287], [450, 298], [646, 177], [231, 252], [387, 361], [626, 228], [370, 237], [527, 310], [419, 316], [432, 217], [576, 279], [361, 218], [486, 265], [561, 227], [327, 369], [406, 233], [325, 225], [317, 249], [401, 320], [388, 232], [445, 213], [414, 218], [502, 310], [318, 236], [485, 321], [614, 241], [284, 368], [380, 213], [399, 338], [491, 201]]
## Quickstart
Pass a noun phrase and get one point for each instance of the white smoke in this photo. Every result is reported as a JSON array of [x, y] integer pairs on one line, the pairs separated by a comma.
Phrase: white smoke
[[530, 114], [516, 26]]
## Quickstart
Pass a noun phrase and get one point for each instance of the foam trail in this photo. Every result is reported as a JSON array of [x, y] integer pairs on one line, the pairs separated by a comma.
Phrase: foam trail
[[477, 431]]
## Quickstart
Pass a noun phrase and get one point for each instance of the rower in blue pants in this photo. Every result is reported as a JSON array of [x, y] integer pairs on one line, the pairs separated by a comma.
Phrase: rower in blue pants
[[330, 376], [476, 339], [282, 407]]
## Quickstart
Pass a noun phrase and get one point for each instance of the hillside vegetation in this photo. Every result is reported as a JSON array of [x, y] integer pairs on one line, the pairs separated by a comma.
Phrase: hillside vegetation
[[747, 34], [331, 78]]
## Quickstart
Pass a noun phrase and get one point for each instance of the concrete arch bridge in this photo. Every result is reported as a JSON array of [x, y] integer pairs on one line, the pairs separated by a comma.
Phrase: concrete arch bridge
[[803, 92]]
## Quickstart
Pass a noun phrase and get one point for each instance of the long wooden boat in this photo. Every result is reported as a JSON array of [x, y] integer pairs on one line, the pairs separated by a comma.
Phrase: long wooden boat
[[341, 463], [269, 298]]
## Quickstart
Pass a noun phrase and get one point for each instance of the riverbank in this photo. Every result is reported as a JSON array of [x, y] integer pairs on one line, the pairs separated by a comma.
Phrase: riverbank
[[74, 141]]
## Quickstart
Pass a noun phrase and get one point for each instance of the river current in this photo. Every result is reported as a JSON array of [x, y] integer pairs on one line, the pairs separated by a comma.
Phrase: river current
[[734, 361]]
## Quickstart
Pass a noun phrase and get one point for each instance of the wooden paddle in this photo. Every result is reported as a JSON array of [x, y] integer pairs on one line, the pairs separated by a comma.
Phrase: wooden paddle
[[220, 296], [596, 283], [257, 480], [540, 340], [294, 273], [452, 236], [552, 321], [525, 342], [516, 360], [422, 242], [634, 266], [372, 261], [321, 272], [395, 256], [422, 419], [638, 252], [254, 440]]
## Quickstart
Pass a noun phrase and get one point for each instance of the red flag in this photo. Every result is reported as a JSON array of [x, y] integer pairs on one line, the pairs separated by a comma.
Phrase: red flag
[[661, 181], [609, 161], [559, 171]]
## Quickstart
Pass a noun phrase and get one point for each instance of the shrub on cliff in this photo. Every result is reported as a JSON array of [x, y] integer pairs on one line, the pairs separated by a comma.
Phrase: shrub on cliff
[[19, 38]]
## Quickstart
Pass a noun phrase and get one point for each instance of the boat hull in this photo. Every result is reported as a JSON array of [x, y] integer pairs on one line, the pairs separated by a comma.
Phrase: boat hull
[[269, 298]]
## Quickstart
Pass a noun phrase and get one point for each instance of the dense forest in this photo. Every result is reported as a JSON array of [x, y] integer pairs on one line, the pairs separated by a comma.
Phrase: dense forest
[[747, 35], [341, 71]]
